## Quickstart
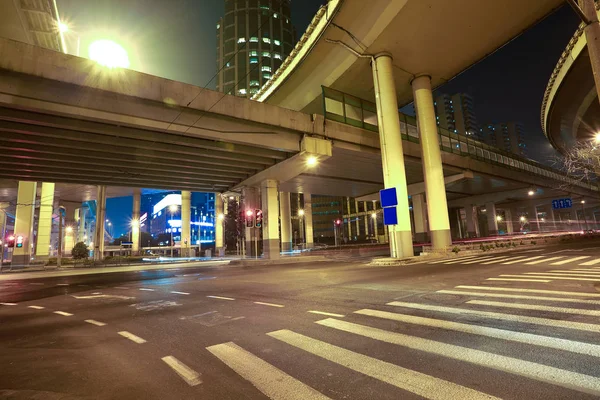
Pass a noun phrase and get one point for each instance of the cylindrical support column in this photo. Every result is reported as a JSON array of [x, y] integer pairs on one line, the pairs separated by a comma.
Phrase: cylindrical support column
[[270, 207], [308, 220], [100, 220], [392, 155], [135, 221], [420, 217], [508, 218], [42, 250], [435, 188], [186, 221], [285, 217], [534, 222], [357, 218], [26, 195], [219, 225], [251, 203], [472, 221], [349, 209], [492, 220]]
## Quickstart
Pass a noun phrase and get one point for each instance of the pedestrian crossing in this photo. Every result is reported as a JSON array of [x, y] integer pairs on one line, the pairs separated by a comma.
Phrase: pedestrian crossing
[[501, 317], [522, 259]]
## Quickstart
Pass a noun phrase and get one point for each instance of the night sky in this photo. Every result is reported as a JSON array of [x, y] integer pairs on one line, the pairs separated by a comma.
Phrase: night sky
[[176, 39]]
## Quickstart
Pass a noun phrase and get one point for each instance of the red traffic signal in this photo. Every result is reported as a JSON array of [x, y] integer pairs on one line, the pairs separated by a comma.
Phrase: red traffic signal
[[338, 222], [259, 218], [249, 219]]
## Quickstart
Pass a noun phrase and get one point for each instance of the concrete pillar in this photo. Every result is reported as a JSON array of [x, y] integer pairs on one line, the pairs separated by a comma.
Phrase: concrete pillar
[[435, 188], [186, 227], [554, 226], [472, 221], [285, 219], [392, 155], [24, 221], [250, 196], [270, 207], [308, 221], [366, 219], [357, 218], [3, 207], [135, 221], [100, 221], [508, 218], [42, 250], [420, 217], [534, 222], [349, 218], [490, 212], [81, 224], [219, 225]]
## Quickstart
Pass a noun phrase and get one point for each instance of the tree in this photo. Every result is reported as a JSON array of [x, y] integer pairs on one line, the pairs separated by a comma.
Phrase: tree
[[234, 224], [80, 251], [582, 162]]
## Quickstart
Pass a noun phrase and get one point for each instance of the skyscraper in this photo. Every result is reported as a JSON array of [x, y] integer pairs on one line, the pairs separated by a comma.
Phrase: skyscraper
[[508, 136], [456, 114], [253, 39]]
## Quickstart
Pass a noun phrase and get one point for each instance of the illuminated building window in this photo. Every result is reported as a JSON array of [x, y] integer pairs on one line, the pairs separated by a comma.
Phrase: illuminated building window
[[277, 42], [242, 40], [265, 68], [254, 83], [242, 91], [266, 54], [253, 53], [277, 56], [267, 75], [253, 60], [254, 39], [266, 40]]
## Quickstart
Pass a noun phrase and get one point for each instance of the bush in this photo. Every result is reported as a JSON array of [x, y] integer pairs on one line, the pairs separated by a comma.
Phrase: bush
[[533, 242], [482, 247], [456, 249], [80, 251], [521, 243]]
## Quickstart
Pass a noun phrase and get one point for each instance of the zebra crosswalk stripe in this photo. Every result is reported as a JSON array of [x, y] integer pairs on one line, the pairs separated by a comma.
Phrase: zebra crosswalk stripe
[[518, 280], [518, 306], [454, 259], [520, 337], [519, 296], [471, 259], [564, 274], [544, 260], [556, 376], [412, 381], [522, 261], [570, 260], [582, 326], [503, 259], [270, 380], [544, 276], [591, 262], [488, 258], [524, 290]]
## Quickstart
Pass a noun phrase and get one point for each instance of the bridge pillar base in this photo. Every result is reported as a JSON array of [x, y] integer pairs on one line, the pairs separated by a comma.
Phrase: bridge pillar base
[[270, 208]]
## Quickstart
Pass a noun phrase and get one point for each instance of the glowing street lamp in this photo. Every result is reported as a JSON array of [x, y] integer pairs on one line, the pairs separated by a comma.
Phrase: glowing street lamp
[[300, 213], [522, 219], [597, 137], [531, 192], [221, 217], [62, 27], [311, 161], [499, 218], [109, 54]]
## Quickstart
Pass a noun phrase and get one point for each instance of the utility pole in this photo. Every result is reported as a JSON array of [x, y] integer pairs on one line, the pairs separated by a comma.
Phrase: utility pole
[[61, 209]]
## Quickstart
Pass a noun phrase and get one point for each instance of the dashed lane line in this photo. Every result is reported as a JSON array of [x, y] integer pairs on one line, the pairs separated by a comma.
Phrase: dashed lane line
[[36, 307], [184, 293], [531, 370], [62, 284], [502, 316], [270, 380], [269, 304], [121, 287], [416, 382], [8, 304], [221, 298], [94, 322], [190, 376], [326, 313], [63, 313], [520, 296], [520, 337], [518, 306], [518, 280], [132, 337], [147, 290], [523, 290]]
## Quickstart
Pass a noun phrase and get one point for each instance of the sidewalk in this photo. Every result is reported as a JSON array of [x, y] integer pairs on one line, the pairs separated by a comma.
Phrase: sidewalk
[[62, 272]]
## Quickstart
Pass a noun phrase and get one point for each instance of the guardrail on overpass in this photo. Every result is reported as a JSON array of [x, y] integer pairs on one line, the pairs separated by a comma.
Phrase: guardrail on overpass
[[351, 110]]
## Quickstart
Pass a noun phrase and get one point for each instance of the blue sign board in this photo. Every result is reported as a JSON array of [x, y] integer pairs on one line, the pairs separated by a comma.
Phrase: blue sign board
[[562, 203], [390, 217], [388, 197]]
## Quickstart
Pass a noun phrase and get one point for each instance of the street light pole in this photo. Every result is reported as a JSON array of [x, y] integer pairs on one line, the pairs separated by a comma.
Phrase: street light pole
[[60, 238], [583, 212]]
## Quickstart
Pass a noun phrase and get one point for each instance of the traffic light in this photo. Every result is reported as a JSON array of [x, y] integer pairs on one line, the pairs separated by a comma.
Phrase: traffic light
[[20, 240], [338, 222], [259, 218], [249, 219]]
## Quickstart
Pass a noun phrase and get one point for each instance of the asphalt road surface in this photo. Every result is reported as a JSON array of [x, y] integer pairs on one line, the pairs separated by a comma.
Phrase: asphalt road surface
[[520, 325]]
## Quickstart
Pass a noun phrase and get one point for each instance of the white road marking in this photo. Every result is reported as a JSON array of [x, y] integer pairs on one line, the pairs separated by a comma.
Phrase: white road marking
[[544, 276], [517, 280], [528, 290], [327, 314], [454, 259], [570, 260], [578, 271], [519, 296], [62, 284], [8, 304], [94, 322], [421, 384], [522, 261], [528, 369], [83, 285], [190, 376], [269, 304], [121, 287], [271, 381], [502, 260], [221, 298], [174, 292], [572, 274], [502, 316], [520, 337], [544, 260], [519, 306], [36, 283], [488, 258], [533, 251], [592, 262], [36, 307], [66, 314], [147, 290], [103, 296], [132, 337]]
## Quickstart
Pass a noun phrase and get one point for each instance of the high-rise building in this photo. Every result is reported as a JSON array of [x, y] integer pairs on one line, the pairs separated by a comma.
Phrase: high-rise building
[[456, 114], [253, 39], [508, 136]]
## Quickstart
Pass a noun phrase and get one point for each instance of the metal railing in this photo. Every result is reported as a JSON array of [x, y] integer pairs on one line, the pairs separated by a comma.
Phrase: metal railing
[[347, 109]]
